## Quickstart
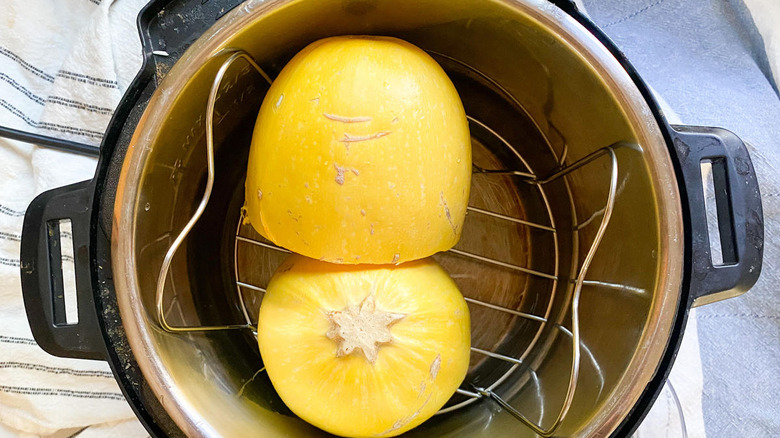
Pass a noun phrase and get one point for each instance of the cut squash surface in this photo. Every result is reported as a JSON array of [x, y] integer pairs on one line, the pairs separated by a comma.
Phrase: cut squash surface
[[364, 350]]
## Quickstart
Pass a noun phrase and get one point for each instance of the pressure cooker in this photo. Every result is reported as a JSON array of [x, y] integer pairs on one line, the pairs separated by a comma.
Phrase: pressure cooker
[[586, 241]]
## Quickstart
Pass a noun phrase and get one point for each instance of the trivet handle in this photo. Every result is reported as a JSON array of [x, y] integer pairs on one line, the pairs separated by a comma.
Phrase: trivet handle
[[739, 212], [42, 276]]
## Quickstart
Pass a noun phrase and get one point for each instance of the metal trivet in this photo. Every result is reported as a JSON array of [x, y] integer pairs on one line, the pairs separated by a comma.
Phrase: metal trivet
[[472, 392]]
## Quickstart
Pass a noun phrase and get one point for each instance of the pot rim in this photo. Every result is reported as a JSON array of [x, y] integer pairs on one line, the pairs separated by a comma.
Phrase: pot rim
[[580, 40]]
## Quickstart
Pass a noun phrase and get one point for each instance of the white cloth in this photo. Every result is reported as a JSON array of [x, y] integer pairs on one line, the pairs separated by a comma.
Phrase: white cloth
[[64, 65], [766, 16]]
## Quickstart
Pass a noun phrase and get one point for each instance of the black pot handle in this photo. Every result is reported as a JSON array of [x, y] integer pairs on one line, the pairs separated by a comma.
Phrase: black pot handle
[[42, 276], [739, 212], [169, 27]]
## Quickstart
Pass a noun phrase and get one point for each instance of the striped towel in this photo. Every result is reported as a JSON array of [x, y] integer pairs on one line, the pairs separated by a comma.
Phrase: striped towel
[[64, 65]]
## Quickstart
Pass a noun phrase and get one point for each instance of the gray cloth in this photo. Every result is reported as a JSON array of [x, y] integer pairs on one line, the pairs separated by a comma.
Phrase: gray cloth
[[706, 59]]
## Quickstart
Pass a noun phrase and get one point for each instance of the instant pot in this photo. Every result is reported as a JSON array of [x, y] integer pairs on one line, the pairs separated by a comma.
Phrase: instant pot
[[586, 241]]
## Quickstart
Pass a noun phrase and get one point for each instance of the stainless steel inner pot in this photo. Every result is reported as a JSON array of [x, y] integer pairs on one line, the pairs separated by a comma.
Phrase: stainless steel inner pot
[[531, 77]]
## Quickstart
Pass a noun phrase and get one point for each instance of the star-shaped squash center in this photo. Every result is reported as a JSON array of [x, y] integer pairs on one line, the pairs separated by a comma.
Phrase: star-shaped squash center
[[362, 327]]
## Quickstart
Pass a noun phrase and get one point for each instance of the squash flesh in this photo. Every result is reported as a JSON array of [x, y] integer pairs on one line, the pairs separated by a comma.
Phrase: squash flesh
[[412, 376]]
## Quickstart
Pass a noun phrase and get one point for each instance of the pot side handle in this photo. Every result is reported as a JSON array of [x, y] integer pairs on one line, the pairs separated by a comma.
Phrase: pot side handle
[[739, 212], [42, 274]]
